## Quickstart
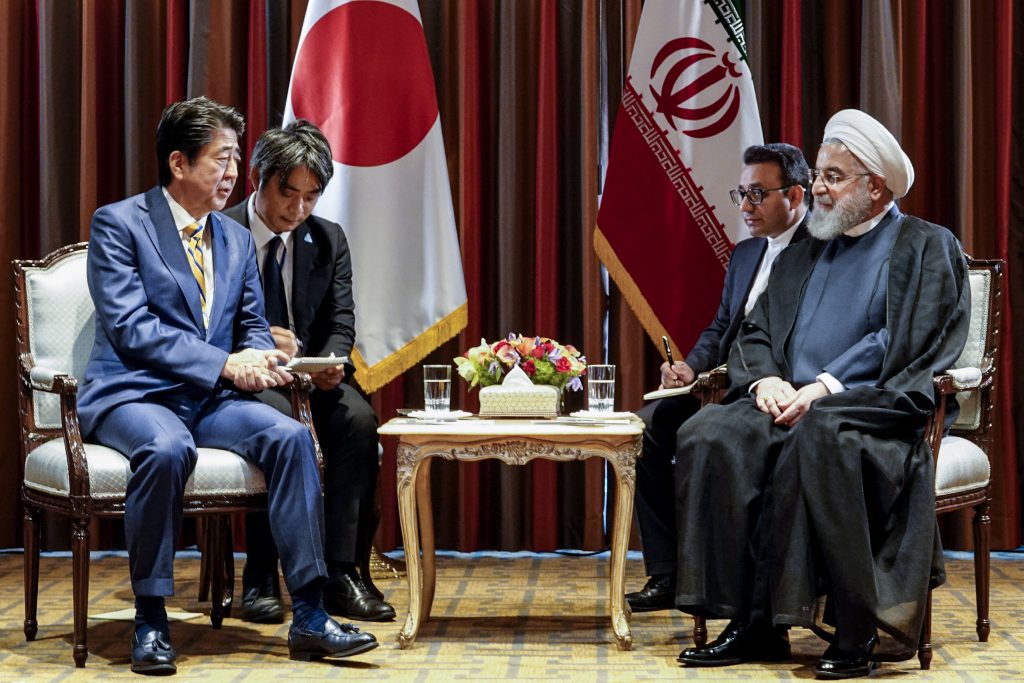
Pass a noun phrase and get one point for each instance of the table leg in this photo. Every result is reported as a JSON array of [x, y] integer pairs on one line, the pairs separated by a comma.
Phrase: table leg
[[625, 477], [408, 466], [425, 509]]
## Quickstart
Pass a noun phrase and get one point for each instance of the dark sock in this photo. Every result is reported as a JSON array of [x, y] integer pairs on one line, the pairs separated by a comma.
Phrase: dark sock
[[150, 613], [307, 607], [335, 570]]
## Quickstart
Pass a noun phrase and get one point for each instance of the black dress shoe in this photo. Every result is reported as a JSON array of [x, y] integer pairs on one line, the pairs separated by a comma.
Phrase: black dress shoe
[[837, 663], [657, 594], [152, 654], [738, 644], [261, 602], [335, 640], [348, 596]]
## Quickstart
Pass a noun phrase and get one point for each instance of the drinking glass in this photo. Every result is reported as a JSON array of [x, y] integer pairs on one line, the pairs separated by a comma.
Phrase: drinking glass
[[601, 388], [437, 388]]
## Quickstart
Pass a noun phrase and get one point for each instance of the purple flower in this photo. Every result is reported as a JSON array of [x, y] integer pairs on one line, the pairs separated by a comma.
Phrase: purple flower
[[576, 384]]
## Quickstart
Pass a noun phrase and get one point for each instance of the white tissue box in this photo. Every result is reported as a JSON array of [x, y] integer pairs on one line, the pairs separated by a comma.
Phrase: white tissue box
[[537, 400]]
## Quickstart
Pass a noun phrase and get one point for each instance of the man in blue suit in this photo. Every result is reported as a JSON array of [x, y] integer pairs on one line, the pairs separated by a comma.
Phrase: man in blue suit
[[181, 344], [773, 197]]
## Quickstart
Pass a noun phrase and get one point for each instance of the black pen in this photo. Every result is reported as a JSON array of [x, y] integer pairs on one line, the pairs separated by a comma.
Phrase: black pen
[[668, 351]]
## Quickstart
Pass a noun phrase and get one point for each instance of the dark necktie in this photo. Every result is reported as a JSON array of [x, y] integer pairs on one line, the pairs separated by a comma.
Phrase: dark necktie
[[273, 285]]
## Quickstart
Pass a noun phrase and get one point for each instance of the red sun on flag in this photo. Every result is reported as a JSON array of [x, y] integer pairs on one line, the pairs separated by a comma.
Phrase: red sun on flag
[[383, 101]]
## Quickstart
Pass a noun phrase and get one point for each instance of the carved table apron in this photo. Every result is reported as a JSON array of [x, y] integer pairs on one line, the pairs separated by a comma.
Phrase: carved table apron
[[514, 442]]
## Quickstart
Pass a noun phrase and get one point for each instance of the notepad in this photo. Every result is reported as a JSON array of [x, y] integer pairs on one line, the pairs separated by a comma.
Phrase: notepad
[[314, 364], [673, 391]]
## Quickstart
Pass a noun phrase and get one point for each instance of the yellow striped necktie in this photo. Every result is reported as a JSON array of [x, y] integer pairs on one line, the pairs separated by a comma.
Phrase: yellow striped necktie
[[194, 232]]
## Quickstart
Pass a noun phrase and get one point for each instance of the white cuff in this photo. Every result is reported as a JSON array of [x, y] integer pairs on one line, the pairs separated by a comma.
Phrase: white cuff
[[753, 387], [833, 385]]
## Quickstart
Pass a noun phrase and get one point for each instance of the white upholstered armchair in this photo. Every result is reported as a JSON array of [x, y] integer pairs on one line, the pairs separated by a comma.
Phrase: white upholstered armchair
[[962, 469], [55, 327]]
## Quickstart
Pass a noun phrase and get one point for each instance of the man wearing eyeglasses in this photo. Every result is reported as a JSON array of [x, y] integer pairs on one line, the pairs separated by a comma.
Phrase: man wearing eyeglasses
[[773, 198], [807, 498]]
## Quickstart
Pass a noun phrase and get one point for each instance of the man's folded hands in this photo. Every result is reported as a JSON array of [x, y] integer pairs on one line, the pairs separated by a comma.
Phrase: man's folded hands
[[257, 369]]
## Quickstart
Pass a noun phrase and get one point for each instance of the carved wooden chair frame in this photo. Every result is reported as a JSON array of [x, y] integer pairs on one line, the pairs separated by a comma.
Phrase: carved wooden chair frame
[[80, 506]]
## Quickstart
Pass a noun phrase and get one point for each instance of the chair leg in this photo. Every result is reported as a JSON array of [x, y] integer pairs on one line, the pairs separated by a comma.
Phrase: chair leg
[[924, 650], [214, 559], [700, 631], [229, 566], [202, 542], [32, 531], [981, 525], [80, 584]]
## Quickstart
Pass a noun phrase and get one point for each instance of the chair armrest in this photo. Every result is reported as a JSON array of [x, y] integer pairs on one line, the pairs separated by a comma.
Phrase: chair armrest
[[956, 380], [38, 378], [52, 381], [711, 385], [300, 387]]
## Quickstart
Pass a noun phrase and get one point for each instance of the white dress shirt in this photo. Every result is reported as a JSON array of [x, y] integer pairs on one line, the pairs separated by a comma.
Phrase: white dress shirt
[[182, 219], [262, 236], [775, 246]]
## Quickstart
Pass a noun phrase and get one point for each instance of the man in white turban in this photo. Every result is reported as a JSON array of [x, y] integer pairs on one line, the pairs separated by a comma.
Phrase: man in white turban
[[806, 498]]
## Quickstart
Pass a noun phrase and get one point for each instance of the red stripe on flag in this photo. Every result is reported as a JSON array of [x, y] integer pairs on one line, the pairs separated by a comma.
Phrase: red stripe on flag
[[662, 230]]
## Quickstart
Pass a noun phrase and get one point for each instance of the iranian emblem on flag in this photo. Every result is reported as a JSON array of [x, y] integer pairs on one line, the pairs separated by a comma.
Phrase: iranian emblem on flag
[[666, 227]]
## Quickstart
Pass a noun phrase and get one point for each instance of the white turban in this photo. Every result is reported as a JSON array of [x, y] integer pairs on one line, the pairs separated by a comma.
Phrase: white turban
[[875, 146]]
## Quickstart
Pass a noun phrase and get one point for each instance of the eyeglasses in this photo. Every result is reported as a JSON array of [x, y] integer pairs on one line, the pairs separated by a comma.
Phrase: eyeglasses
[[754, 195], [833, 179]]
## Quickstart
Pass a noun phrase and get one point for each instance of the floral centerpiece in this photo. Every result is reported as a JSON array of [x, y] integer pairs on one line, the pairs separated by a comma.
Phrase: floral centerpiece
[[544, 361]]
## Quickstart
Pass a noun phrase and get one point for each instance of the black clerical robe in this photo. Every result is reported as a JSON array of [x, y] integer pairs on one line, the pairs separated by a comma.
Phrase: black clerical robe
[[773, 520]]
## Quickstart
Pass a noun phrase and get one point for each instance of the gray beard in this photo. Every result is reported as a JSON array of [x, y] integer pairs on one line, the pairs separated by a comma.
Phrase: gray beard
[[846, 213]]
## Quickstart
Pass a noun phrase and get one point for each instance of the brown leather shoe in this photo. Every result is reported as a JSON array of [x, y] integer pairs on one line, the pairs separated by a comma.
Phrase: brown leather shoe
[[348, 596]]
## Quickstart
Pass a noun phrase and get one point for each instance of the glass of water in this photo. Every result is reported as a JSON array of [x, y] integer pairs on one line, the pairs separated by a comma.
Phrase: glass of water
[[437, 388], [601, 388]]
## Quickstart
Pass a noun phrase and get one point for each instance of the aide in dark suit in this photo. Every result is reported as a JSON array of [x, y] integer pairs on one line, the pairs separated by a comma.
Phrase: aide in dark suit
[[773, 197], [307, 280], [180, 345]]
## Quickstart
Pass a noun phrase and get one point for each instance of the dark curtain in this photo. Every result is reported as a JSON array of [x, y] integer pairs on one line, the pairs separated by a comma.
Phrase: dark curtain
[[528, 93]]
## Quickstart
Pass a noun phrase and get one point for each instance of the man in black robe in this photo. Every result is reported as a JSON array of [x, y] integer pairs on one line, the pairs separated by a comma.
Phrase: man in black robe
[[773, 196], [808, 499]]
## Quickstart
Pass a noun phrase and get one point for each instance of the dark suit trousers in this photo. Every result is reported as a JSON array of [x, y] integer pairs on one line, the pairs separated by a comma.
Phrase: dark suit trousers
[[160, 441], [347, 429], [655, 492]]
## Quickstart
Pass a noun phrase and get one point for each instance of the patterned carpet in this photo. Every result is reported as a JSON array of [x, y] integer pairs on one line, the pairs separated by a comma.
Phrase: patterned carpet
[[513, 616]]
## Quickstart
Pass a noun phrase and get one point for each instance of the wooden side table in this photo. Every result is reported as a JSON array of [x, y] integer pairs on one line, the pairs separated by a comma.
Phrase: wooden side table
[[514, 442]]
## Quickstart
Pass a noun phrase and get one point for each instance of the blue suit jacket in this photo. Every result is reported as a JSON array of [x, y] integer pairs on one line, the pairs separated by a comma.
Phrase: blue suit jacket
[[712, 347], [150, 336]]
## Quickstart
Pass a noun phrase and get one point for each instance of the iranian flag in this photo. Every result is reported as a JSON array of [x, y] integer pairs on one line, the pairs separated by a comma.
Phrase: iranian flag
[[666, 226], [362, 74]]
